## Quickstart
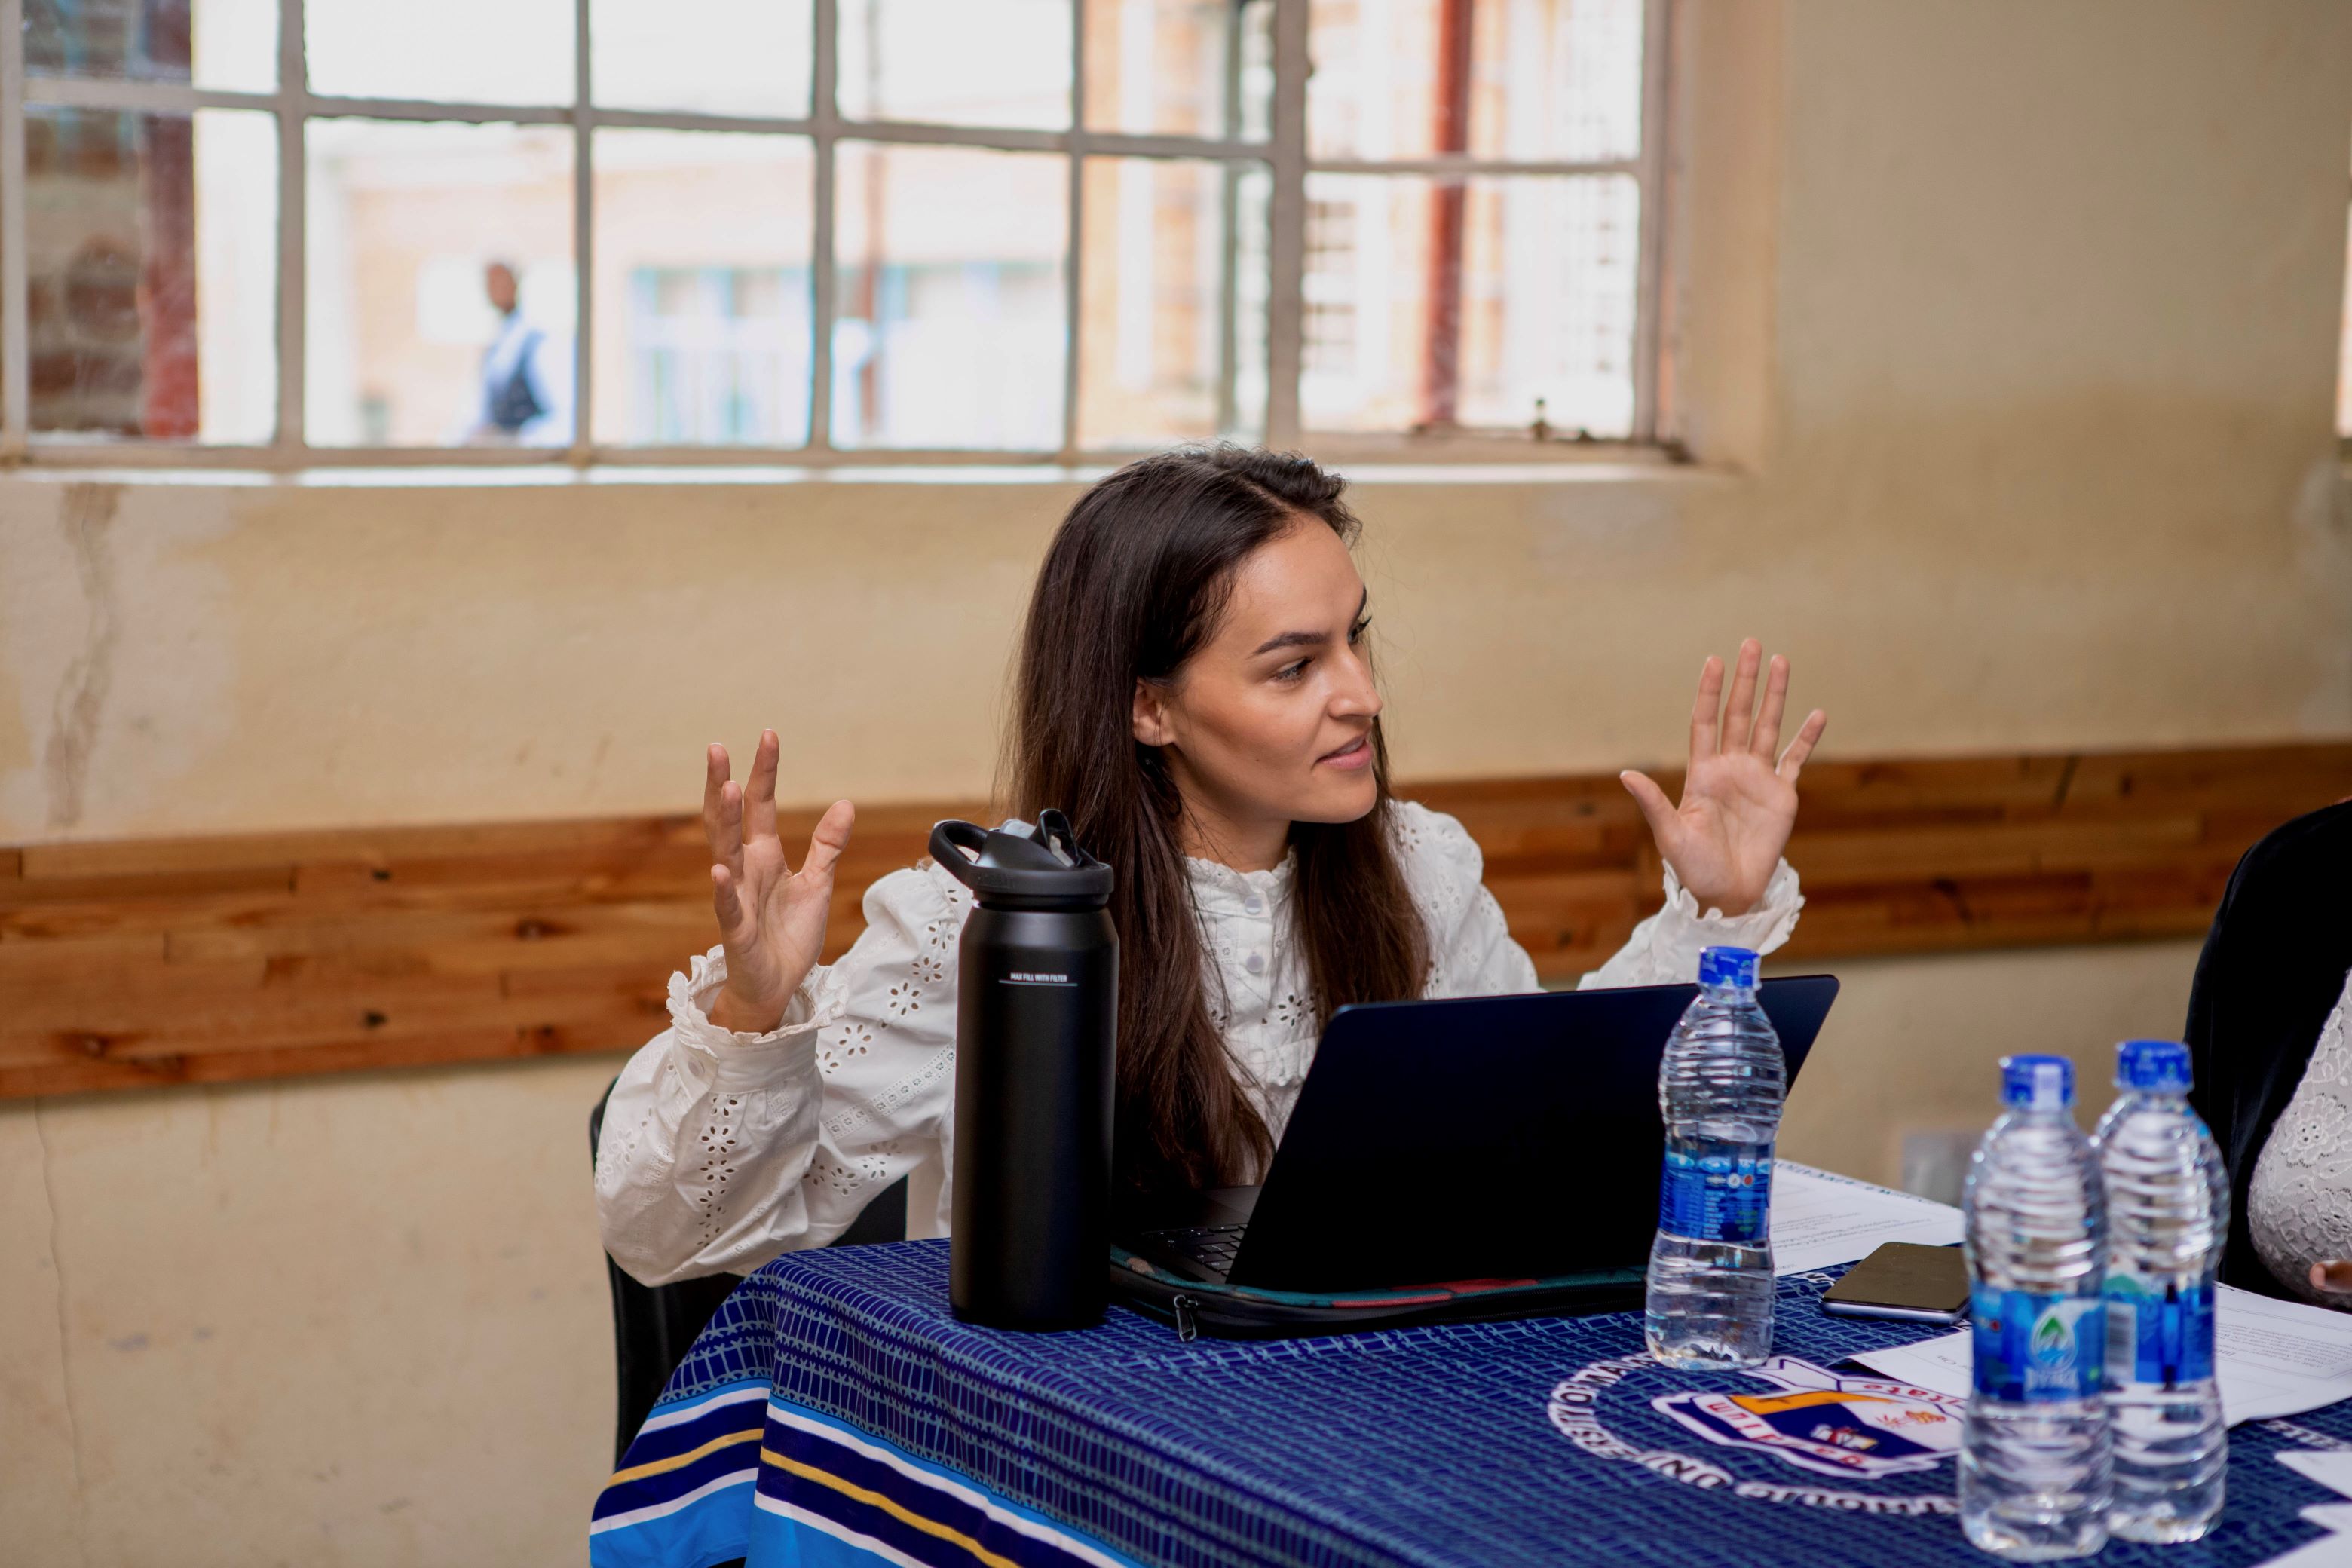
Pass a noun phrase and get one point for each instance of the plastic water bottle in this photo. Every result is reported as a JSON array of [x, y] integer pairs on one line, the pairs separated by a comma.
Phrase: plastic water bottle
[[2168, 1219], [1719, 1090], [2035, 1458]]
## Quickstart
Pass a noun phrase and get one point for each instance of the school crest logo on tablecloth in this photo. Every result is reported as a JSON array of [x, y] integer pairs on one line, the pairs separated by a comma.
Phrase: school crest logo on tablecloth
[[1774, 1434], [1819, 1421]]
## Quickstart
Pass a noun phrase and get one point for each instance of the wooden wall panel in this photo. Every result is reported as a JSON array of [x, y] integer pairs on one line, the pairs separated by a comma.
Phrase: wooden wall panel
[[132, 964]]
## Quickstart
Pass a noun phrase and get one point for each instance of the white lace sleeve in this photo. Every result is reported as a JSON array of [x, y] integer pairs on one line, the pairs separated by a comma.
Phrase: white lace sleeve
[[720, 1150], [2299, 1204], [1664, 950], [1471, 952]]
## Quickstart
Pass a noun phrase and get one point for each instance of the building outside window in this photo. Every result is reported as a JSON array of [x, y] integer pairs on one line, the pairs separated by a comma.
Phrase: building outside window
[[718, 355], [302, 231]]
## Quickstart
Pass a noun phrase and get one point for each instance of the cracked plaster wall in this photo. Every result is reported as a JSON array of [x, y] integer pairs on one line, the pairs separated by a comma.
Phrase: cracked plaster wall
[[323, 1322]]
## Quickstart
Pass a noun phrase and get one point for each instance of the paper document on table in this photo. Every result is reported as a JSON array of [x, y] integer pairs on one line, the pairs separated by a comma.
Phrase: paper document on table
[[1818, 1220], [2331, 1471], [2272, 1358], [2327, 1551]]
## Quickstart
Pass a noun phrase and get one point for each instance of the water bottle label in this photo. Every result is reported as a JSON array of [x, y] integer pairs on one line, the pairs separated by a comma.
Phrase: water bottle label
[[1722, 1196], [2033, 1350], [2162, 1336]]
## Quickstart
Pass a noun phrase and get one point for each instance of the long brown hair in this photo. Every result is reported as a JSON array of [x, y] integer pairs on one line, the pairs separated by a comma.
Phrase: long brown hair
[[1134, 583]]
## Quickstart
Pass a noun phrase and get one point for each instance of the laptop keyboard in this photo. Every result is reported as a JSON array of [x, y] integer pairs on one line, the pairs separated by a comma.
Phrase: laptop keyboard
[[1210, 1245]]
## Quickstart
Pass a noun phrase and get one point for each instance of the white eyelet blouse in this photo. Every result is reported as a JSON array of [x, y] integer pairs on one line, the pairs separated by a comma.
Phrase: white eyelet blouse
[[2299, 1205], [720, 1150]]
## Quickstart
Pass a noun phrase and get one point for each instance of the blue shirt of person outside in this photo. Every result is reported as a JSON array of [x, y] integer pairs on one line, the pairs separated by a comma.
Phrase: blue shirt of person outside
[[525, 388]]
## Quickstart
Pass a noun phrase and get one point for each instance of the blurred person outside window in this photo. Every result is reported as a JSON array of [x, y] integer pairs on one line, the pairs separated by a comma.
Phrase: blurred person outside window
[[526, 380]]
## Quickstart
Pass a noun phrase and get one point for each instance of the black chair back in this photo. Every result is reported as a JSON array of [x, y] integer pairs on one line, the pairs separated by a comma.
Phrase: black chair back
[[654, 1325]]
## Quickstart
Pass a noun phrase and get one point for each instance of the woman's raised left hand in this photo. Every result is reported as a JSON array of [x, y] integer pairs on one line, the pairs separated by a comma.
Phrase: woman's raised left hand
[[1724, 838]]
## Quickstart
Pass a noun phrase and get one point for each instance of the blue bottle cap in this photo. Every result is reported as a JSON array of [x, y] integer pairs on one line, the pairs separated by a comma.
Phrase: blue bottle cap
[[2160, 1066], [2037, 1083], [1728, 966]]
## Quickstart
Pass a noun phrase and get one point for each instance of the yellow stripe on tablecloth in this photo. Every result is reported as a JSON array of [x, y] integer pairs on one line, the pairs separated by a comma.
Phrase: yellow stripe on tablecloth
[[896, 1509], [679, 1461]]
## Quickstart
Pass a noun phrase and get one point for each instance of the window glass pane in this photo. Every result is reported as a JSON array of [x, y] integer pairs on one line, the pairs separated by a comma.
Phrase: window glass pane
[[1180, 68], [740, 57], [950, 324], [702, 287], [956, 62], [152, 245], [1542, 79], [1484, 303], [440, 296], [230, 45], [449, 51], [1161, 357]]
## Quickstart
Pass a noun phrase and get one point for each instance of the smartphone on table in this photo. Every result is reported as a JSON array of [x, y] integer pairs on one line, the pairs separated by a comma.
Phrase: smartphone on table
[[1905, 1281]]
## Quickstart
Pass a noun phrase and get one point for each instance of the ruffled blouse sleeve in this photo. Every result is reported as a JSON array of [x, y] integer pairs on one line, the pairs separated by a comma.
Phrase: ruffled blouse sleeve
[[1471, 953], [1664, 950], [722, 1150]]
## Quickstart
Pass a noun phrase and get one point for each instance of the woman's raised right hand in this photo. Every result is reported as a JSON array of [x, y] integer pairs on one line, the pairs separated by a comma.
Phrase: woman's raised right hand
[[771, 918]]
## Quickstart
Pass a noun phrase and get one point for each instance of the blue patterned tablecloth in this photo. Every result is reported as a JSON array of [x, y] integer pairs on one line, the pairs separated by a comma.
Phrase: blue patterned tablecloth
[[836, 1411]]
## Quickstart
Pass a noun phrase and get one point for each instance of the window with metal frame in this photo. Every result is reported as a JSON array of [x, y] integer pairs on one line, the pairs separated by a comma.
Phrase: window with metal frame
[[2343, 357], [283, 233]]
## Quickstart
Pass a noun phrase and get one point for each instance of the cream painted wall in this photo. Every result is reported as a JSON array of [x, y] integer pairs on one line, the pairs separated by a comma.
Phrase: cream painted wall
[[235, 657], [2008, 332], [326, 1322], [1909, 1049]]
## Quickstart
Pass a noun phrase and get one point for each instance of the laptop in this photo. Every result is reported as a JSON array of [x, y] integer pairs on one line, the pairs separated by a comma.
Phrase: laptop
[[1478, 1139]]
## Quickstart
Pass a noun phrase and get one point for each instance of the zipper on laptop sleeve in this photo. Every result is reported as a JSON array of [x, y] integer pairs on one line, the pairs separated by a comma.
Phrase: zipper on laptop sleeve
[[1187, 1329]]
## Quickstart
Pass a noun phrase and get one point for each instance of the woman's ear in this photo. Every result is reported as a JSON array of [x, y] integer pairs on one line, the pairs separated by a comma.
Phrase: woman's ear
[[1151, 724]]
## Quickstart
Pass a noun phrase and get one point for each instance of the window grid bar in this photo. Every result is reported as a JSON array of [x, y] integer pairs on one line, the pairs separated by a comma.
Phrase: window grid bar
[[1228, 278], [155, 97], [173, 98], [15, 357], [1463, 167], [1657, 87], [692, 119], [1009, 139], [583, 239], [83, 456], [823, 285], [168, 96], [1286, 220], [294, 105], [1073, 257], [293, 232]]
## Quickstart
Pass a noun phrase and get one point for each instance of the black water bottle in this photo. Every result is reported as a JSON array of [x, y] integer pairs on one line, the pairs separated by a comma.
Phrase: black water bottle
[[1036, 1030]]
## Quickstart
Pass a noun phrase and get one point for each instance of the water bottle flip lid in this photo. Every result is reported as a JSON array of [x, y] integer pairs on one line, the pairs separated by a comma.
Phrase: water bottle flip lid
[[1040, 865], [2157, 1065], [2037, 1083], [1728, 966]]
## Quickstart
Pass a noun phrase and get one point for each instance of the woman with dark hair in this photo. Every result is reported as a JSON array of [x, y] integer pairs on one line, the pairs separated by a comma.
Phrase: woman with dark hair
[[1194, 690]]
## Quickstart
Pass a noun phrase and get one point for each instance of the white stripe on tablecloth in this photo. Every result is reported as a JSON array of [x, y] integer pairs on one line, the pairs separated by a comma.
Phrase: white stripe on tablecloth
[[685, 1412], [659, 1509]]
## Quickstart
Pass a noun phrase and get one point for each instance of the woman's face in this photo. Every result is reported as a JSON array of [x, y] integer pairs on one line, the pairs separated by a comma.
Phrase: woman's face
[[1271, 721]]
